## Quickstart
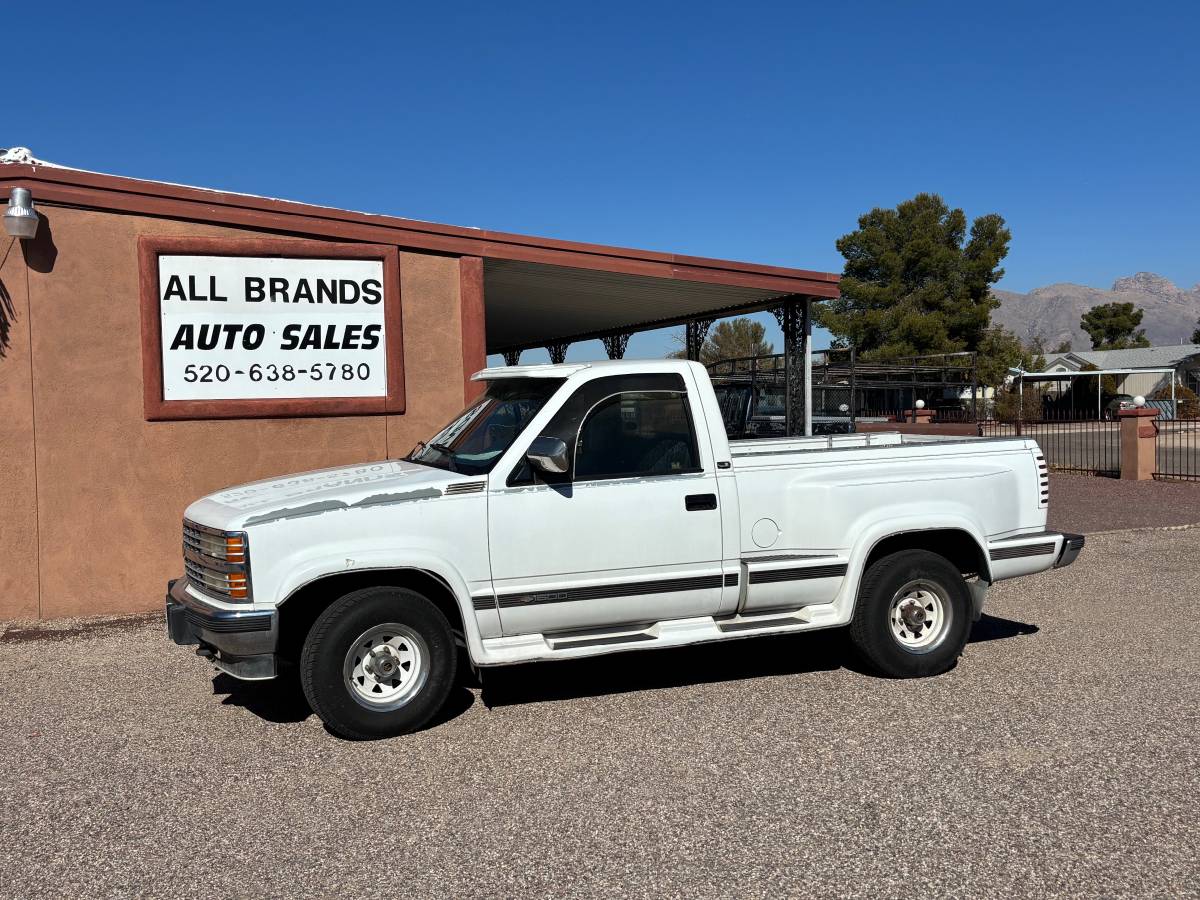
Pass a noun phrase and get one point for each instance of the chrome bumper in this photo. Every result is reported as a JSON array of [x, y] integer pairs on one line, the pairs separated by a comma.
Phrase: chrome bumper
[[241, 643], [1028, 554], [1072, 544]]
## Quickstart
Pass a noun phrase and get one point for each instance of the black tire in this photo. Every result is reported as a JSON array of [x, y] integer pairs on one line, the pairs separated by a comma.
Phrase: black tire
[[324, 658], [871, 628]]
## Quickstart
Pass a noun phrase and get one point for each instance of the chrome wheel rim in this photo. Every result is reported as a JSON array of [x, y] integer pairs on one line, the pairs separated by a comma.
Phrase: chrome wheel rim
[[919, 616], [386, 667]]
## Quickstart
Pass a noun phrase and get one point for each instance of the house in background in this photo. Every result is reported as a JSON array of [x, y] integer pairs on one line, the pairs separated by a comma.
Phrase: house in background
[[1183, 358]]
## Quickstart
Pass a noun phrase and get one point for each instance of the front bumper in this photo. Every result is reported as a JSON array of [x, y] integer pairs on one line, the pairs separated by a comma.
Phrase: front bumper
[[239, 642]]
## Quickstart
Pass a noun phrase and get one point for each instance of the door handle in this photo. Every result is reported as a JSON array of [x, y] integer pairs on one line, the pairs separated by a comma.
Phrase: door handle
[[695, 502]]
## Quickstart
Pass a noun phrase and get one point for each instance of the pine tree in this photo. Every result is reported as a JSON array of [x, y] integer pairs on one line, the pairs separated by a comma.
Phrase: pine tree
[[914, 282], [1114, 326]]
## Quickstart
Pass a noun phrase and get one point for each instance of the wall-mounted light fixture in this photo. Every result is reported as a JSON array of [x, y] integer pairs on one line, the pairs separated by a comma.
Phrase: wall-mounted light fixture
[[21, 219]]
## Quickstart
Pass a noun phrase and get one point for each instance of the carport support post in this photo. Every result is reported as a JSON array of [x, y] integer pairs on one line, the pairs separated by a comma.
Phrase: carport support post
[[1020, 403], [1138, 439], [695, 333], [974, 387], [807, 367], [853, 393], [797, 366]]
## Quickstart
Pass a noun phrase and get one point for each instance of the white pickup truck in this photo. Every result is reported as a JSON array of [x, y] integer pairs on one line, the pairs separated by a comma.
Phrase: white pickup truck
[[575, 510]]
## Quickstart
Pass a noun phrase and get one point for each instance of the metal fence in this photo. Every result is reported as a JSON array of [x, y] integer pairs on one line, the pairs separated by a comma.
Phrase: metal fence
[[1177, 449], [1070, 445], [846, 390]]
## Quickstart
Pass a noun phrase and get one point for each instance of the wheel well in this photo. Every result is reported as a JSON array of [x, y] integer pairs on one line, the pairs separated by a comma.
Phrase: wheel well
[[954, 544], [300, 610]]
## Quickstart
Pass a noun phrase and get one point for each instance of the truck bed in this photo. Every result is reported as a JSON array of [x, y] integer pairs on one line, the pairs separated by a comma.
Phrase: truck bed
[[749, 454]]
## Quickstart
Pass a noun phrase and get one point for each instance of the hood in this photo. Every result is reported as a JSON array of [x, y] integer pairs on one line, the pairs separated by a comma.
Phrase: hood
[[314, 493]]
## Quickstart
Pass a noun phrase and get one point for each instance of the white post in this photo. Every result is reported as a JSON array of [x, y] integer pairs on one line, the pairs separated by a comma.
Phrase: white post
[[807, 367]]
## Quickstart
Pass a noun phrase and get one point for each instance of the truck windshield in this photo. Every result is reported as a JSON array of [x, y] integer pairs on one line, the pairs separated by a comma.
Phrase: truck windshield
[[478, 436]]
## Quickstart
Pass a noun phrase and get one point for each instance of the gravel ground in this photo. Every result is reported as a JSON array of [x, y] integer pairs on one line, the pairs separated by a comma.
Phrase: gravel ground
[[1059, 758], [1086, 504]]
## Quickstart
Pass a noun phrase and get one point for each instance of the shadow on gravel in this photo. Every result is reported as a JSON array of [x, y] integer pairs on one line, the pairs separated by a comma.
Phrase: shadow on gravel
[[702, 664], [993, 628], [282, 700], [278, 700], [657, 669]]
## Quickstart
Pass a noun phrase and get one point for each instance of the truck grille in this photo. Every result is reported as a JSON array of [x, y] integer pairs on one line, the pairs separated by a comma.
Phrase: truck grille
[[217, 562]]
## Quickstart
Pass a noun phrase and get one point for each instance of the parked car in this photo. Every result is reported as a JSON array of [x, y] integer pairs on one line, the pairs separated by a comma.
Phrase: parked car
[[591, 508], [1116, 404]]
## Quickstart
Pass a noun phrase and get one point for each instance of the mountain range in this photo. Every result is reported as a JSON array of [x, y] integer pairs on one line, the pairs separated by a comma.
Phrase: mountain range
[[1053, 312]]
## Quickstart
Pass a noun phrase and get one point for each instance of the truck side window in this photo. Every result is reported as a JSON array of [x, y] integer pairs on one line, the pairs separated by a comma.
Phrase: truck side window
[[592, 397], [637, 433]]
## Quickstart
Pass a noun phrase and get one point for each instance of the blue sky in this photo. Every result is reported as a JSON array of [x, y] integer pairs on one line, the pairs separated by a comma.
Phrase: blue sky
[[749, 131]]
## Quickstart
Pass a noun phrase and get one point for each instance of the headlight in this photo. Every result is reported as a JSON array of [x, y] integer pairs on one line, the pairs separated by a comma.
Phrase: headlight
[[217, 562]]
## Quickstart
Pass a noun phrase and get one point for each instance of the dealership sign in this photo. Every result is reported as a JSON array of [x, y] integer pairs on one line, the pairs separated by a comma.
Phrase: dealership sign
[[242, 327], [239, 334]]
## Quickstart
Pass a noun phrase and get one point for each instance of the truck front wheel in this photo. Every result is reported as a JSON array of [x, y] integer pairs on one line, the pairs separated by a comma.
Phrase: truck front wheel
[[913, 615], [378, 662]]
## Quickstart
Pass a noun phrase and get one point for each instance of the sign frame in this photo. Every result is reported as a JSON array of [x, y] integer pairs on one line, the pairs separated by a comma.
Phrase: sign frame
[[157, 409]]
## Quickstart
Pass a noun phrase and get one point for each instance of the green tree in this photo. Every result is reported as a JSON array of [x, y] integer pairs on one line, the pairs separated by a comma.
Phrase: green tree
[[1000, 350], [1063, 347], [732, 339], [914, 282], [1114, 326], [1012, 404], [1196, 333]]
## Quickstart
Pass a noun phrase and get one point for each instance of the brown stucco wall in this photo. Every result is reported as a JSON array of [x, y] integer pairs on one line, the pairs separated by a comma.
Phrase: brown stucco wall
[[18, 486], [111, 487]]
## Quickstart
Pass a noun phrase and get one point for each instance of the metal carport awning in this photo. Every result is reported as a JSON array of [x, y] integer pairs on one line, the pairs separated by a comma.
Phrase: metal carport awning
[[1023, 376], [529, 303], [1088, 373], [533, 304]]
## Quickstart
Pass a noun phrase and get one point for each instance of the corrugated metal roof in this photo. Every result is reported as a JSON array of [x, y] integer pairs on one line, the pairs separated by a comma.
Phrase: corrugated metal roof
[[529, 304]]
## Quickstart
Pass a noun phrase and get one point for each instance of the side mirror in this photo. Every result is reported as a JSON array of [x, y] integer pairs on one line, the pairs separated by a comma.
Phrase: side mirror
[[548, 455]]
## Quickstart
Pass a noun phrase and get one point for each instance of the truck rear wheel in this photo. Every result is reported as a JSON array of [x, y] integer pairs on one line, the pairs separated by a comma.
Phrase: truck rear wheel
[[379, 662], [913, 615]]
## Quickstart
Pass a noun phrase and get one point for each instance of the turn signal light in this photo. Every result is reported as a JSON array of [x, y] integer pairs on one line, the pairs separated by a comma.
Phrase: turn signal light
[[238, 589], [235, 549]]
